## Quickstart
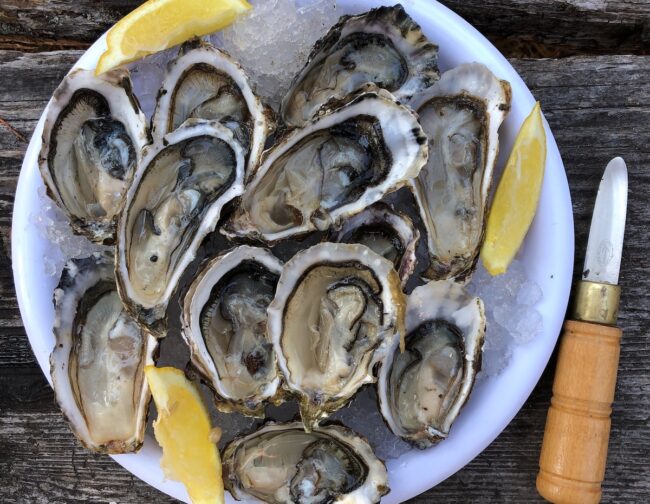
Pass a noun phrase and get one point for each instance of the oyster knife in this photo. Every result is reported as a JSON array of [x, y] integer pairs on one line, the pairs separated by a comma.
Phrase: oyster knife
[[574, 450]]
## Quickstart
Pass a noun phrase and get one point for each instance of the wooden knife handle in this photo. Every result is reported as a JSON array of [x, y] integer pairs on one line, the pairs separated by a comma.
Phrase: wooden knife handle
[[574, 450]]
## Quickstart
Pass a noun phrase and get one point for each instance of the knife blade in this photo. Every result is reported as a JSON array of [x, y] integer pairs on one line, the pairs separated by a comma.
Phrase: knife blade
[[605, 245]]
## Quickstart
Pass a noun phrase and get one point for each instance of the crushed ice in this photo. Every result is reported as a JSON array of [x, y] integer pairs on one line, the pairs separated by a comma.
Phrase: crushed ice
[[147, 75], [512, 319], [272, 65], [271, 56], [54, 226]]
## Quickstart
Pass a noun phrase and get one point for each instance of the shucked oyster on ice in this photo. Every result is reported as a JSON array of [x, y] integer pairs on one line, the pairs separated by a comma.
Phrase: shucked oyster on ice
[[93, 135], [174, 202], [283, 464], [461, 115], [224, 324], [336, 312], [331, 169], [386, 231], [97, 365], [383, 46], [203, 82], [422, 389]]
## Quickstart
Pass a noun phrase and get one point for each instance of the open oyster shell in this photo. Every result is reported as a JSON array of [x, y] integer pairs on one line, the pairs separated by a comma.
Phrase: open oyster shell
[[283, 464], [97, 365], [422, 389], [461, 115], [385, 231], [383, 46], [224, 324], [337, 310], [331, 169], [174, 202], [93, 135], [203, 82]]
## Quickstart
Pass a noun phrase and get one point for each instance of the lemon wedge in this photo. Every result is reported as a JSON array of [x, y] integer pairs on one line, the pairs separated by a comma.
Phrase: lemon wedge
[[517, 195], [183, 430], [159, 24]]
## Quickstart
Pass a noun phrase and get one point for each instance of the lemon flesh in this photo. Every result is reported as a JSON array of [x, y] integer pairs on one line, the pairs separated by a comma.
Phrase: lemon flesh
[[517, 195], [183, 431], [159, 24]]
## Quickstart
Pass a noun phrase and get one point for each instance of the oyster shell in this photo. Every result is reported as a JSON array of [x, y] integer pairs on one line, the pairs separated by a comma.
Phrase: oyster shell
[[422, 389], [461, 115], [97, 365], [93, 135], [336, 311], [383, 46], [385, 231], [174, 202], [282, 464], [224, 324], [204, 82], [331, 169]]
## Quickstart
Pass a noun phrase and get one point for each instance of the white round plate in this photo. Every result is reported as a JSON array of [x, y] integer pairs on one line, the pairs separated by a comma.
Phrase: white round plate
[[547, 255]]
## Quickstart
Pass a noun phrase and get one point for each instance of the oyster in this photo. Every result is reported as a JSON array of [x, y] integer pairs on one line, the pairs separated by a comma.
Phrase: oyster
[[422, 389], [282, 464], [383, 46], [224, 324], [205, 83], [461, 115], [174, 202], [331, 169], [92, 137], [385, 231], [336, 311], [97, 365]]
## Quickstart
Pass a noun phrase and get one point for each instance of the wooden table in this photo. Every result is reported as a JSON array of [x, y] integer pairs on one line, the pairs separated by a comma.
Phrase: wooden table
[[596, 97]]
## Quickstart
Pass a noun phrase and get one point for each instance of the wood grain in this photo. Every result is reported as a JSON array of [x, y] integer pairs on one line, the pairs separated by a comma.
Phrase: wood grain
[[56, 24], [598, 107], [539, 28], [561, 28], [574, 448]]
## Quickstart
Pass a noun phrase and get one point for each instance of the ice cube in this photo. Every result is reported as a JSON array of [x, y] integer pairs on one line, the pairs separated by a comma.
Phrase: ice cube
[[528, 326], [529, 294]]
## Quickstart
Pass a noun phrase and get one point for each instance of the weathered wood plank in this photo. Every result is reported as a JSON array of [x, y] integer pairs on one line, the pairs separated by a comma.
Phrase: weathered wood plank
[[45, 445], [598, 107], [561, 27], [58, 24]]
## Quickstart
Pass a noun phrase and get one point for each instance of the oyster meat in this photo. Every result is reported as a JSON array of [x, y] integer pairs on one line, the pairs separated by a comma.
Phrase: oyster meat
[[461, 115], [422, 389], [97, 365], [336, 312], [384, 47], [174, 202], [203, 82], [331, 169], [386, 231], [224, 324], [283, 464], [93, 135]]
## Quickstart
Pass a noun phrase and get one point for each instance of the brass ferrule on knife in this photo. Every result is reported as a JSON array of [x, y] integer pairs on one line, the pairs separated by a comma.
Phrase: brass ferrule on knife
[[595, 302]]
